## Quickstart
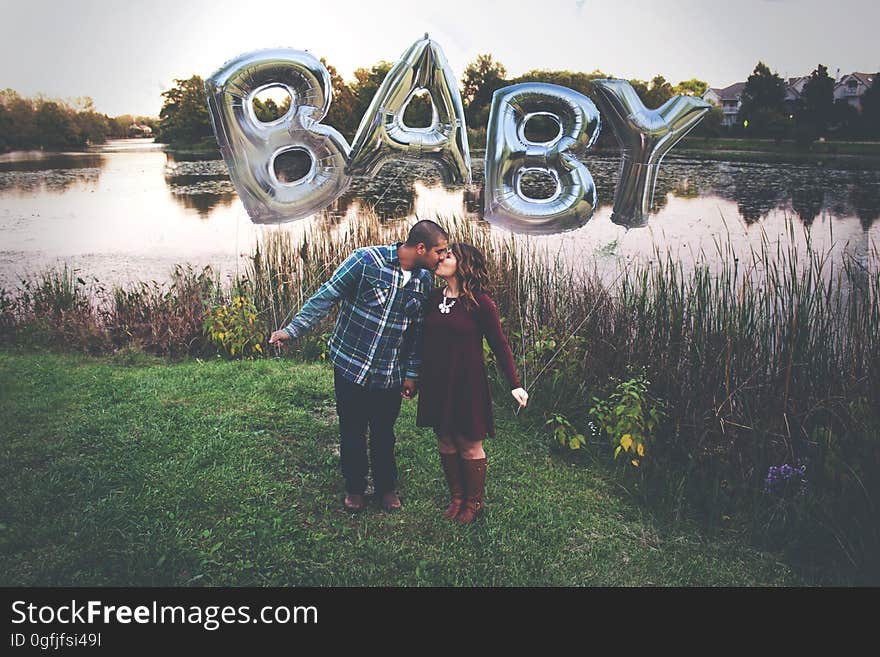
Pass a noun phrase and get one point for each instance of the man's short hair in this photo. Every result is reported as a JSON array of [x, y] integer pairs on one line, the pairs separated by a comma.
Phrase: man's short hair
[[426, 232]]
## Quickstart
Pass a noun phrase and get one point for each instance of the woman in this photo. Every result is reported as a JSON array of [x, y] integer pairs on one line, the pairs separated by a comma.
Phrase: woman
[[454, 397]]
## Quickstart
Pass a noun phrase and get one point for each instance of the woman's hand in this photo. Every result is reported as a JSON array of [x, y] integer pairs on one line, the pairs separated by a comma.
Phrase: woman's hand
[[521, 396]]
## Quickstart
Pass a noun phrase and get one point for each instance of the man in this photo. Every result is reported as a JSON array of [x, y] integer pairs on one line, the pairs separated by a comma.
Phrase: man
[[374, 349]]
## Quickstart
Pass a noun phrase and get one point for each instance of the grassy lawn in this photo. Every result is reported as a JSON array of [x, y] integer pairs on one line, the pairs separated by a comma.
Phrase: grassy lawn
[[845, 154], [226, 473]]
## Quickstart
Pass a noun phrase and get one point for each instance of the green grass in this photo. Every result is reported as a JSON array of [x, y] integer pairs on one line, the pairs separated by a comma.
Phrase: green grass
[[137, 472], [845, 154]]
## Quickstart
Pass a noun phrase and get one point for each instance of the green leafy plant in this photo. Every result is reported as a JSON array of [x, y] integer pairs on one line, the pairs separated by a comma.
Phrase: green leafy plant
[[233, 329], [565, 433], [628, 417]]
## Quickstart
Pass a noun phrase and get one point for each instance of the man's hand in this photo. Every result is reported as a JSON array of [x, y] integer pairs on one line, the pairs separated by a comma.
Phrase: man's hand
[[410, 389], [521, 396], [278, 338]]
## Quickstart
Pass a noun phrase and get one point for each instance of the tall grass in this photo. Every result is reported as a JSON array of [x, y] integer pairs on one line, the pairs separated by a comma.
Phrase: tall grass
[[759, 359]]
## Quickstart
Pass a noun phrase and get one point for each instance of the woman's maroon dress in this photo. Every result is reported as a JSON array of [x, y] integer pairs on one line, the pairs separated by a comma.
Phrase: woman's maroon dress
[[454, 393]]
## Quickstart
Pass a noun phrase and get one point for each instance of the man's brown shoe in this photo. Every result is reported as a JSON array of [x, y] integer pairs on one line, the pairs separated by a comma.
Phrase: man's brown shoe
[[390, 501], [354, 502]]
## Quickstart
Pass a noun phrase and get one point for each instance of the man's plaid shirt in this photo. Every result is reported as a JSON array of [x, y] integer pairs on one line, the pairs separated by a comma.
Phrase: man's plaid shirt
[[377, 339]]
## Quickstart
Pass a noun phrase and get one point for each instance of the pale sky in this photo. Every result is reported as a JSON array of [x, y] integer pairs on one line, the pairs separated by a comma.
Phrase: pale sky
[[125, 54]]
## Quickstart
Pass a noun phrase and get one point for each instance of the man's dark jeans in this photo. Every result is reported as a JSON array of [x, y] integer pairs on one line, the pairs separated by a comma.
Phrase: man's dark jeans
[[357, 408]]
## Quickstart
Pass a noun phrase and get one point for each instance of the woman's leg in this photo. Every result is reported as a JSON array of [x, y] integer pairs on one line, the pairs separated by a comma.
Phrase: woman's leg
[[451, 462], [470, 449], [474, 468], [446, 444]]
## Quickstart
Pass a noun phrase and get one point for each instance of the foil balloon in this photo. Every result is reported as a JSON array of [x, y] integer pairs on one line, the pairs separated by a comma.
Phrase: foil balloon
[[645, 136], [382, 134], [510, 156], [250, 147]]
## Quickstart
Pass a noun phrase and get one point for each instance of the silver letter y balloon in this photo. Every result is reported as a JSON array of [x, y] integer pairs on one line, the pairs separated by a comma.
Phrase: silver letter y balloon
[[382, 134], [645, 136], [250, 147]]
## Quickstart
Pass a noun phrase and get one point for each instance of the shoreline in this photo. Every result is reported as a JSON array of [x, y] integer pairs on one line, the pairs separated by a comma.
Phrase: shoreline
[[848, 155]]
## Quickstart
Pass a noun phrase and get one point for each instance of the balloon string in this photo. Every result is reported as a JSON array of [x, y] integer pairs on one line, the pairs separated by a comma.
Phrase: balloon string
[[261, 240], [309, 293], [558, 351], [388, 186]]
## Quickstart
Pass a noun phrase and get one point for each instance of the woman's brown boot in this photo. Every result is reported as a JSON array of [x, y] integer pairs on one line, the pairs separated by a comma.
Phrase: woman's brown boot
[[474, 484], [452, 469]]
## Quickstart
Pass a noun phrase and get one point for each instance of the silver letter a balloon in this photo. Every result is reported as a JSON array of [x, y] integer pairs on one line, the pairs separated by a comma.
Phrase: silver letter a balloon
[[250, 147], [510, 156], [645, 136], [382, 134]]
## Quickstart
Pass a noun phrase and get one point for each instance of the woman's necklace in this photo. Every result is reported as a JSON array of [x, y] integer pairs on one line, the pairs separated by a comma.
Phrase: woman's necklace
[[444, 307]]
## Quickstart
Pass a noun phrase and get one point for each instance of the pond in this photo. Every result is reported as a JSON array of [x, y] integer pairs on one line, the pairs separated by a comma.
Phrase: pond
[[130, 211]]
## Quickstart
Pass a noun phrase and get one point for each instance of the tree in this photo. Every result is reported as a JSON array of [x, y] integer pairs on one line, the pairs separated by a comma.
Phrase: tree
[[5, 128], [482, 78], [763, 100], [184, 116], [269, 111], [365, 86], [818, 100], [846, 118], [581, 82], [342, 114], [710, 126], [692, 87], [871, 109], [21, 130], [119, 126], [55, 126], [93, 127], [641, 89], [659, 93]]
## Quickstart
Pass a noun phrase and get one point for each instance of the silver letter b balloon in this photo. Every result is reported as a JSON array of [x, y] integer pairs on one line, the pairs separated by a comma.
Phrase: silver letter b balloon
[[382, 134], [510, 156], [645, 136], [250, 147]]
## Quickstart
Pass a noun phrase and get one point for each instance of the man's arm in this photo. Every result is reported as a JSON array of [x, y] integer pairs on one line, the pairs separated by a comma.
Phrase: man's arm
[[414, 339], [343, 283]]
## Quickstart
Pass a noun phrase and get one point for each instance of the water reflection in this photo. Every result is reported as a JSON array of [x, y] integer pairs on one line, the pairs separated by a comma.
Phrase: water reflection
[[135, 210], [50, 181], [757, 189], [33, 171], [199, 185], [865, 197]]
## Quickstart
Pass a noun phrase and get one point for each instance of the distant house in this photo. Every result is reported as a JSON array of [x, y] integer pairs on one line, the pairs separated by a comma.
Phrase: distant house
[[137, 130], [728, 99], [851, 87], [794, 91]]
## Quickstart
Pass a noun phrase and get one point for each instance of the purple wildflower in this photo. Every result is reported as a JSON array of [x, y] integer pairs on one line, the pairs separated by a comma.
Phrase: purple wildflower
[[786, 479]]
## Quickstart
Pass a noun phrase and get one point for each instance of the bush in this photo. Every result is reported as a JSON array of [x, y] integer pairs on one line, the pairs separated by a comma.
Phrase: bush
[[629, 417], [232, 328]]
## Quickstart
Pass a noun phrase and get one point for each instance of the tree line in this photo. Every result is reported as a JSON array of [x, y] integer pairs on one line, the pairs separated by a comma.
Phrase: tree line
[[184, 118], [764, 113], [27, 123]]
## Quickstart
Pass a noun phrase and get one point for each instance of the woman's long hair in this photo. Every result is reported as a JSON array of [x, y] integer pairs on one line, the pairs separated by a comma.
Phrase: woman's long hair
[[471, 272]]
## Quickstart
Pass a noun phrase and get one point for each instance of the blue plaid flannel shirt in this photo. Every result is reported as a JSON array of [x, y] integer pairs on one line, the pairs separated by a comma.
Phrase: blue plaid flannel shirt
[[377, 339]]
